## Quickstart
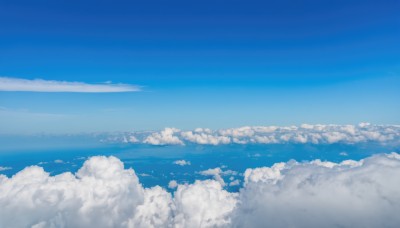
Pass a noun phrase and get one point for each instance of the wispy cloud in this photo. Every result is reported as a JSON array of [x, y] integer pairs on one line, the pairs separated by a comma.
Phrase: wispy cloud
[[40, 85]]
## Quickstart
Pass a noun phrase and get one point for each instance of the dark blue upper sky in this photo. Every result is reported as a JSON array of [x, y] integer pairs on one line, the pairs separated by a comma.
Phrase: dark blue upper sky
[[262, 61]]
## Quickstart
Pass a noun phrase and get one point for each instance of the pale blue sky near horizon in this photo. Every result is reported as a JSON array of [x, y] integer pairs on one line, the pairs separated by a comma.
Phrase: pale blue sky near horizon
[[201, 64]]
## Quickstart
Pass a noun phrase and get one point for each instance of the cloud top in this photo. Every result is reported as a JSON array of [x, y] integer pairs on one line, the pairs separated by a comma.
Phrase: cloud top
[[40, 85], [310, 194]]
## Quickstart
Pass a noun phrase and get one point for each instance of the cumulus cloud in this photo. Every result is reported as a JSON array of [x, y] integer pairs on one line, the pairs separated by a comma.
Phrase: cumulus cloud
[[165, 137], [203, 204], [305, 133], [318, 194], [181, 162], [39, 85], [309, 194]]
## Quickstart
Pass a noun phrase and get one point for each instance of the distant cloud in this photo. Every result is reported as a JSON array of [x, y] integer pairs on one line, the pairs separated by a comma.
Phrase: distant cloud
[[305, 133], [181, 162], [4, 168], [234, 183], [165, 137], [217, 174], [40, 85]]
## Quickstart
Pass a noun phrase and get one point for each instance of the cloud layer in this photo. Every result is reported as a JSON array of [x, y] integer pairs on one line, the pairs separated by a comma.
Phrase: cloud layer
[[39, 85], [311, 194], [315, 134]]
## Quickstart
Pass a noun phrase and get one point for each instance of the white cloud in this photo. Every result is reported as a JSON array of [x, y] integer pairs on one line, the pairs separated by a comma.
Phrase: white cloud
[[234, 183], [217, 174], [133, 139], [4, 168], [181, 162], [155, 211], [203, 204], [306, 133], [165, 137], [172, 184], [317, 194], [204, 138], [58, 161], [39, 85], [311, 194], [101, 194]]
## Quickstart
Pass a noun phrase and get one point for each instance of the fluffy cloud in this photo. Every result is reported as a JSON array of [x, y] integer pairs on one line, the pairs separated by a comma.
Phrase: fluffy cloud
[[310, 194], [305, 133], [165, 137], [102, 194], [181, 162], [320, 194], [204, 137], [39, 85], [203, 204]]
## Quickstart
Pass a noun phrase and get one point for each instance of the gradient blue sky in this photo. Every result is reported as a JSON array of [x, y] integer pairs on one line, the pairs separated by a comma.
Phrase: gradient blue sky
[[203, 63]]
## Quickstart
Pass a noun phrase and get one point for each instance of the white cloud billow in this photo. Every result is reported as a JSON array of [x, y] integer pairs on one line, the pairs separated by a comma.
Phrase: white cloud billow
[[315, 134], [164, 137], [311, 194], [315, 194], [40, 85], [204, 137]]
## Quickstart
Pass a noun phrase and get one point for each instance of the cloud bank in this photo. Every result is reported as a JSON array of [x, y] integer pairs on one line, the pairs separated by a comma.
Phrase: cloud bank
[[310, 194], [39, 85], [314, 134]]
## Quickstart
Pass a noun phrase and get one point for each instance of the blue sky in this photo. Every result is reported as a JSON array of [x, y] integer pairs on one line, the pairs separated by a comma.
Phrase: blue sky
[[210, 64]]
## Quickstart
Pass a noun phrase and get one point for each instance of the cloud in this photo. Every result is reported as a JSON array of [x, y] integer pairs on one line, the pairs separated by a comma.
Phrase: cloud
[[39, 85], [165, 137], [315, 194], [204, 137], [305, 133], [217, 174], [181, 162], [203, 204], [4, 168], [172, 184], [309, 194], [234, 183]]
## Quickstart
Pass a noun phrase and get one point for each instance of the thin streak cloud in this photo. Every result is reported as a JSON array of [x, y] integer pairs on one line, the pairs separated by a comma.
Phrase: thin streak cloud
[[40, 85]]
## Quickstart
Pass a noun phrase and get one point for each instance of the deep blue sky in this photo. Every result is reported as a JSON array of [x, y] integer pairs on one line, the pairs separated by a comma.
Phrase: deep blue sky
[[201, 63]]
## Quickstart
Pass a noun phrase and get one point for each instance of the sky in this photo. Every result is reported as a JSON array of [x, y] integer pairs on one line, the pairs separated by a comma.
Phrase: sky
[[146, 65]]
